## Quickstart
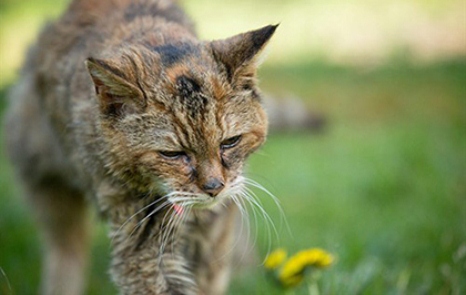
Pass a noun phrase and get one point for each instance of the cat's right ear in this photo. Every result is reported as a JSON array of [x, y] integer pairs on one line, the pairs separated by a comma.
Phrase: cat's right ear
[[117, 96], [240, 54]]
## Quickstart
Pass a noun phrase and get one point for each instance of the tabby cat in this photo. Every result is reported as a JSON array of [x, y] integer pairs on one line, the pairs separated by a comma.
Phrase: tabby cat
[[120, 105]]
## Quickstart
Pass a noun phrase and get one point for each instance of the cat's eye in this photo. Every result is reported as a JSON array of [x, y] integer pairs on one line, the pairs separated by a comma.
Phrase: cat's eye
[[230, 142], [172, 155]]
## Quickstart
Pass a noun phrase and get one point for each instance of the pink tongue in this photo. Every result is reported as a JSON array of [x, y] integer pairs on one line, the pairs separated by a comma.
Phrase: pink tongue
[[178, 209]]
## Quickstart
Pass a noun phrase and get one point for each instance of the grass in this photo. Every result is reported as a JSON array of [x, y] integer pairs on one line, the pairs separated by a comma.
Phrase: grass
[[382, 188]]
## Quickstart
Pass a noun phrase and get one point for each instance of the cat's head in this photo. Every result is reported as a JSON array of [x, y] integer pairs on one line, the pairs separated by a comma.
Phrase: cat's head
[[180, 119]]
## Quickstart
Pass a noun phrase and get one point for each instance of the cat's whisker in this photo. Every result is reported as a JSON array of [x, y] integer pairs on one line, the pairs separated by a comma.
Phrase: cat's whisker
[[269, 222], [246, 198], [255, 202], [159, 208], [255, 184], [244, 215], [181, 221], [172, 234], [172, 227], [283, 220], [166, 231], [141, 222], [176, 222], [171, 221], [246, 219], [115, 234]]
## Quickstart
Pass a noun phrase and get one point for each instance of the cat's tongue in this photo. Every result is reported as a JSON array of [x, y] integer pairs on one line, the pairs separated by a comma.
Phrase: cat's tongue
[[178, 209]]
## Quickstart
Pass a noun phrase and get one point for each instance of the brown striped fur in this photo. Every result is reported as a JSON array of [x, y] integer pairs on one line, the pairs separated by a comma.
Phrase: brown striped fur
[[121, 105]]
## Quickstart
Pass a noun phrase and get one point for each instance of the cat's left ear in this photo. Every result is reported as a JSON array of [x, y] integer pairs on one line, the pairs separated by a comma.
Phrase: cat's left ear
[[117, 95], [240, 53]]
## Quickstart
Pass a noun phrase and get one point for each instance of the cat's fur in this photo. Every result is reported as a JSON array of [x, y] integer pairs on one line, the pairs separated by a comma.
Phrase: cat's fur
[[121, 105]]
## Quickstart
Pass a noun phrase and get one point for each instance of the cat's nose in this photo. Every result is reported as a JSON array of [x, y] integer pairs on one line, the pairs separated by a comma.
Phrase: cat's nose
[[213, 186]]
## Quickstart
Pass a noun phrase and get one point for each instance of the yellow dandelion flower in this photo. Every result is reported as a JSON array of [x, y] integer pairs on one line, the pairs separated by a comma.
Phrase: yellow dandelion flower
[[292, 281], [275, 259], [292, 271]]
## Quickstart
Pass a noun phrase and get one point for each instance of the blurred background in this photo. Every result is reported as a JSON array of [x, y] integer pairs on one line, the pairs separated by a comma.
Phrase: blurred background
[[381, 185]]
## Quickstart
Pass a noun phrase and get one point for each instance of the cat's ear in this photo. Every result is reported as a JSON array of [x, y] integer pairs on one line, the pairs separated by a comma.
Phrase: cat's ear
[[117, 96], [240, 53]]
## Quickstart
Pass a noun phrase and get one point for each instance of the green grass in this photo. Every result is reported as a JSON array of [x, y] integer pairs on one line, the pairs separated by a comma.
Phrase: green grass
[[383, 187]]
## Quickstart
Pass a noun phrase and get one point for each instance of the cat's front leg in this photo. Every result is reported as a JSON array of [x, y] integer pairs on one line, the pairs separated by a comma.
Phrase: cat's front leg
[[215, 246], [147, 260], [146, 255], [146, 271]]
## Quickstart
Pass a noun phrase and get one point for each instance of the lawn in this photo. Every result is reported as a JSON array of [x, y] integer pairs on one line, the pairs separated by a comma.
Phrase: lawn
[[382, 187]]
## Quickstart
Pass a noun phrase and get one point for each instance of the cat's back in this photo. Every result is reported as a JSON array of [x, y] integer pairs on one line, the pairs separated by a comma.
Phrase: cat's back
[[88, 26]]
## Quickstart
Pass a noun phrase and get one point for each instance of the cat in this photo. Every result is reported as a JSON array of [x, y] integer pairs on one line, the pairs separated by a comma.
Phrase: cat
[[121, 106]]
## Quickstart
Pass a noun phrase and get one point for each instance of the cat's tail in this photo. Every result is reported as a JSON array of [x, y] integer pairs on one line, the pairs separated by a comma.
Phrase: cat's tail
[[292, 114]]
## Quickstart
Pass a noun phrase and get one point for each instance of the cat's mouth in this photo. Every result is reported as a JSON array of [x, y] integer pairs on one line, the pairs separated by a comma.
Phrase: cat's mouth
[[184, 204]]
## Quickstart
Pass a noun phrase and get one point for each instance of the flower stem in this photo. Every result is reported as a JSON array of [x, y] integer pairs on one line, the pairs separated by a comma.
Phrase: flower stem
[[313, 288]]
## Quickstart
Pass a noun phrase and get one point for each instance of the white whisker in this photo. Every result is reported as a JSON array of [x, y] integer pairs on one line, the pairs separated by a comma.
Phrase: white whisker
[[246, 194], [159, 208], [115, 234], [172, 228], [244, 216], [283, 219], [268, 220], [165, 229]]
